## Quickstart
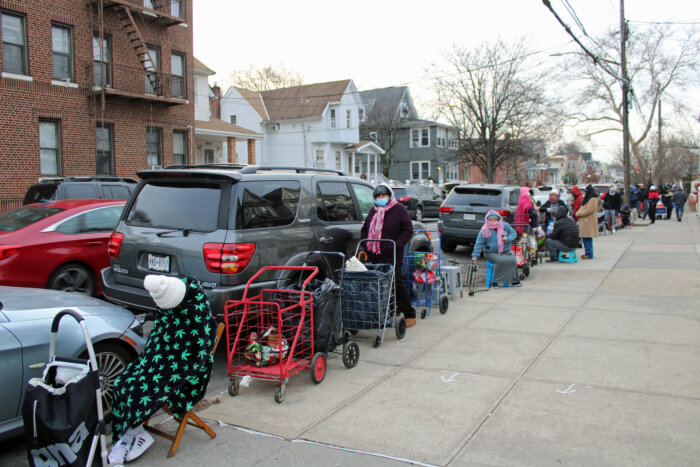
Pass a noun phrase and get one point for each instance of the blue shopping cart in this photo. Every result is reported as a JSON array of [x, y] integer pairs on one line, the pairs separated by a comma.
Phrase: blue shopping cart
[[425, 281]]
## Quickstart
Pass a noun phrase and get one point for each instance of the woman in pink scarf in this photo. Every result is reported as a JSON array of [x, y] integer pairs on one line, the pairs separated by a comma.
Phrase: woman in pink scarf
[[494, 241], [390, 219], [523, 215]]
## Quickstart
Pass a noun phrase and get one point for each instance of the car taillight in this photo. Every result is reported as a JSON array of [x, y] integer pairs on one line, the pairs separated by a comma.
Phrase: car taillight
[[504, 213], [446, 209], [227, 258], [8, 250], [115, 244], [405, 198]]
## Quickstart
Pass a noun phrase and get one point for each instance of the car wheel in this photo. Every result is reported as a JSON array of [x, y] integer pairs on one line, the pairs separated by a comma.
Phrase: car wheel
[[448, 247], [73, 278], [419, 214], [112, 360]]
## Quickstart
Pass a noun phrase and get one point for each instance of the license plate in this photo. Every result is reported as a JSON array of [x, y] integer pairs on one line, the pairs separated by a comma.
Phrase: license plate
[[470, 217], [159, 263]]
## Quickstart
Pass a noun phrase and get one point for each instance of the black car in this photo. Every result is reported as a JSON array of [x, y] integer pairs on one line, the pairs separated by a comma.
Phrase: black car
[[419, 200], [80, 187]]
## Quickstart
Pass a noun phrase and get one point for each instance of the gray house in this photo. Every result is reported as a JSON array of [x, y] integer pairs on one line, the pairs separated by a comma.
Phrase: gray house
[[415, 149]]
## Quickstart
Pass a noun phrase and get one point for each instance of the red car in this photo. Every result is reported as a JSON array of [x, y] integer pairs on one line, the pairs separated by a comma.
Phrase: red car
[[59, 245]]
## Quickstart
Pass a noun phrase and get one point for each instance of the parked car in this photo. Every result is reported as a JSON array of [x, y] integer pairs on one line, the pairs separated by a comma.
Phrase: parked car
[[25, 332], [60, 245], [80, 187], [463, 212], [223, 224], [419, 200]]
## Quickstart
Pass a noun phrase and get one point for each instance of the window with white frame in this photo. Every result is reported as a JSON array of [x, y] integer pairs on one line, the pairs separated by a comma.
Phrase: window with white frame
[[337, 160], [320, 159], [332, 118], [102, 60], [420, 170], [452, 141], [420, 137], [348, 118], [361, 114], [452, 172], [49, 147], [441, 137], [233, 120]]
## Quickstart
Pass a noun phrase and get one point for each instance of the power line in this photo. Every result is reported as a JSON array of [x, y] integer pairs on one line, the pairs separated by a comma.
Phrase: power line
[[665, 22]]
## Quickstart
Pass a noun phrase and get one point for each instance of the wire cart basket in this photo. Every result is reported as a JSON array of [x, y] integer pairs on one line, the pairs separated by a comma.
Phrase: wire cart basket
[[369, 298], [478, 278], [522, 249], [425, 281], [270, 336]]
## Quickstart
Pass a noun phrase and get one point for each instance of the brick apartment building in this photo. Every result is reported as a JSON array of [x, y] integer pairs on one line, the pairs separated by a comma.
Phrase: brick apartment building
[[96, 87]]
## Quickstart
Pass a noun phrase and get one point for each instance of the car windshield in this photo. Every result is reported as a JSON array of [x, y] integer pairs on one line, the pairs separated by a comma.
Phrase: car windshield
[[24, 216], [467, 196]]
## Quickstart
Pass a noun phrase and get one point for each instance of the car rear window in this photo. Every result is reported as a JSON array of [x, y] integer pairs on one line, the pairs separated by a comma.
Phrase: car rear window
[[24, 216], [37, 193], [466, 196], [399, 192], [267, 204], [76, 190], [115, 192], [168, 205]]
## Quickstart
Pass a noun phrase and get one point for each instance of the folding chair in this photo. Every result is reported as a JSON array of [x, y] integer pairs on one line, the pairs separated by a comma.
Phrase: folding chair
[[190, 418]]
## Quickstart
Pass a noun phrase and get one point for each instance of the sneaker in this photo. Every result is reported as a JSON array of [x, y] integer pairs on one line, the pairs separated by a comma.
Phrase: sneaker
[[516, 284], [142, 442], [586, 257], [552, 260], [118, 453]]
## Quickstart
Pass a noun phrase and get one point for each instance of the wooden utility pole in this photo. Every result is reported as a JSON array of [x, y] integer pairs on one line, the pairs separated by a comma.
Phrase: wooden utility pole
[[625, 104], [659, 160]]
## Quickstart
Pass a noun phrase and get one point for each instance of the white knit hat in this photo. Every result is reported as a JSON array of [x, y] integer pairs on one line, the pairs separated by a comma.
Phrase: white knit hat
[[166, 291]]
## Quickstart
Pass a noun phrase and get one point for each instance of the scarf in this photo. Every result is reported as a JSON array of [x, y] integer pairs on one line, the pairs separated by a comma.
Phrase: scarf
[[375, 227], [491, 225], [590, 193], [522, 213]]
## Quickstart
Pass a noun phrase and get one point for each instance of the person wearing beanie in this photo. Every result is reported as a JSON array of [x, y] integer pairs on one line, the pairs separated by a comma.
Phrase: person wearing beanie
[[564, 237], [494, 240], [389, 219], [174, 368], [550, 206], [612, 204]]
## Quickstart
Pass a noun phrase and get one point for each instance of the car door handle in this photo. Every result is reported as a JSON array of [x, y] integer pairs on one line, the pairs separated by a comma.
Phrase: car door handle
[[326, 240], [95, 243]]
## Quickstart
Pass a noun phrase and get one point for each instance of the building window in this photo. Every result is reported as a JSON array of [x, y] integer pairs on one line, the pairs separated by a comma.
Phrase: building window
[[14, 44], [332, 118], [441, 137], [179, 147], [361, 114], [49, 147], [337, 160], [320, 159], [348, 119], [153, 69], [420, 170], [154, 146], [452, 172], [177, 66], [148, 4], [176, 8], [104, 157], [62, 48], [452, 141], [233, 119], [102, 61], [420, 137]]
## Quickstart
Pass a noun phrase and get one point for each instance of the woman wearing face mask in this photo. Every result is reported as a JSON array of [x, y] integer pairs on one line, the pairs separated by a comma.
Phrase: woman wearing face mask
[[494, 240], [389, 219]]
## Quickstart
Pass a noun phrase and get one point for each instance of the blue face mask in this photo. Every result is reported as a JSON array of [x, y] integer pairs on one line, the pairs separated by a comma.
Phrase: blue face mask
[[381, 202]]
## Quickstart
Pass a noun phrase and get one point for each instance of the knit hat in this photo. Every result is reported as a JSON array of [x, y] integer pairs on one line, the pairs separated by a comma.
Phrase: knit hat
[[383, 189], [166, 291]]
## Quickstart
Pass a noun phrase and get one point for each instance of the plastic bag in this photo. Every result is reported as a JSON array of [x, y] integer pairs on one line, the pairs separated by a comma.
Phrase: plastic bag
[[354, 264]]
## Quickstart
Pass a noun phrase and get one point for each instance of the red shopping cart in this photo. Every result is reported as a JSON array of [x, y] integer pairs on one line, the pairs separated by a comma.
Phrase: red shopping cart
[[270, 336]]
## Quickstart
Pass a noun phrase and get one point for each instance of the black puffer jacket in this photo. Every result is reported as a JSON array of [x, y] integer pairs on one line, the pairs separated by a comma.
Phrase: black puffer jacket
[[566, 231]]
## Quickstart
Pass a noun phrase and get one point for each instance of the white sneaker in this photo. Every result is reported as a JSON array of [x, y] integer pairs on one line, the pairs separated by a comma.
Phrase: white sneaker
[[142, 441], [118, 453]]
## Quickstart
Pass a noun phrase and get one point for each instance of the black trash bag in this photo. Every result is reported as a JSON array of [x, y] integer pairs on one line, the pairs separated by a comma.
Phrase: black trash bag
[[366, 297], [327, 310]]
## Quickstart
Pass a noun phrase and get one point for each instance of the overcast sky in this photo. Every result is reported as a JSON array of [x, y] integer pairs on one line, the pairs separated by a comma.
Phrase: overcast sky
[[379, 43]]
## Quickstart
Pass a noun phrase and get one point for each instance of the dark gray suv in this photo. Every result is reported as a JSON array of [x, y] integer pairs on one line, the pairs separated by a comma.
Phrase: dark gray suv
[[221, 224], [463, 212], [80, 187]]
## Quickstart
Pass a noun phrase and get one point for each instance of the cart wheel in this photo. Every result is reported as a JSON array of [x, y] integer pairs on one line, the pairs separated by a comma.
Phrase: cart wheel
[[444, 304], [318, 367], [471, 294], [377, 342], [400, 328], [521, 276], [526, 270], [233, 387], [351, 354], [423, 313], [279, 394]]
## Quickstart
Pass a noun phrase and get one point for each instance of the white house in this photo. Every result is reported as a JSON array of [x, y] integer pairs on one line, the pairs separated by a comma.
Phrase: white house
[[314, 125]]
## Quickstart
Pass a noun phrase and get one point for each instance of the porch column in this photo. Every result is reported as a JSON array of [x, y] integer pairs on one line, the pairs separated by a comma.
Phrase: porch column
[[352, 168], [231, 143], [251, 152]]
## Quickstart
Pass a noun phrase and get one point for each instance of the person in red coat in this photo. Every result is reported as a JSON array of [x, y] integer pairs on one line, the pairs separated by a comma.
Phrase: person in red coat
[[653, 199], [576, 205]]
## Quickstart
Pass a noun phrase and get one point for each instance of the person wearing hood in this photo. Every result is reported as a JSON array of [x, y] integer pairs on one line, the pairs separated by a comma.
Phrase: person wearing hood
[[679, 198], [389, 219], [612, 204], [550, 206], [635, 199], [526, 213], [588, 220], [653, 199], [494, 239], [667, 199], [576, 204], [564, 237]]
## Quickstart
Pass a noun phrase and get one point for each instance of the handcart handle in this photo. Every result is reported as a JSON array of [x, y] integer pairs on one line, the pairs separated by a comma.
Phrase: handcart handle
[[81, 321], [385, 240], [312, 269], [330, 253], [57, 319]]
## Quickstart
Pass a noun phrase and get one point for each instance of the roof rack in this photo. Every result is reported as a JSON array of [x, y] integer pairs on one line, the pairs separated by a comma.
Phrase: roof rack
[[207, 166], [251, 169], [89, 178]]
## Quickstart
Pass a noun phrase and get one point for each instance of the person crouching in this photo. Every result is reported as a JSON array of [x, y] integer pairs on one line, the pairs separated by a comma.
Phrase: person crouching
[[564, 237]]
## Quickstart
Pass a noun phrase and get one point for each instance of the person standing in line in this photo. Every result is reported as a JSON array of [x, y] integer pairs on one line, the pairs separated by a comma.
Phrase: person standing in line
[[526, 213], [494, 239], [635, 198], [644, 198], [666, 198], [653, 199], [679, 198], [550, 206], [564, 237], [612, 204], [588, 220], [576, 205]]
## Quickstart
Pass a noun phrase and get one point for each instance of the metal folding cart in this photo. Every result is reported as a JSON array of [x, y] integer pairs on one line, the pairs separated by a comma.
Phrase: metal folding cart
[[425, 281], [478, 278]]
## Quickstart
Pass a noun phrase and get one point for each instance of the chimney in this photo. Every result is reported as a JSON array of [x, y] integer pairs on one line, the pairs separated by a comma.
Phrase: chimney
[[215, 102]]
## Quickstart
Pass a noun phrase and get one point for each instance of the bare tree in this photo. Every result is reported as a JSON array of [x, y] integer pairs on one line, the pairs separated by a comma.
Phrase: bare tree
[[675, 159], [488, 94], [382, 125], [266, 78], [658, 62]]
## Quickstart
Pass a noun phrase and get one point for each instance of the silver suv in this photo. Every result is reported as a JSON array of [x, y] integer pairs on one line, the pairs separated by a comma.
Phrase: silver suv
[[223, 223]]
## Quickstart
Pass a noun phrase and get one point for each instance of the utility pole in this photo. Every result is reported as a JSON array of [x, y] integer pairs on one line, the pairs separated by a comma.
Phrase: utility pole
[[625, 104], [659, 160]]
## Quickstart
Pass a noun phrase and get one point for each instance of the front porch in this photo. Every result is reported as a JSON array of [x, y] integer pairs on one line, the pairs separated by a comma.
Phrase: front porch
[[362, 160], [215, 143]]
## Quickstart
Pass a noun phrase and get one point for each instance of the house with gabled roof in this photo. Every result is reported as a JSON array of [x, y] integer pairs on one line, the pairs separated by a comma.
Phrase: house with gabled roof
[[312, 125]]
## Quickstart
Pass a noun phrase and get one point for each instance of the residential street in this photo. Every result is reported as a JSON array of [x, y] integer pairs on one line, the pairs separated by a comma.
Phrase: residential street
[[594, 363]]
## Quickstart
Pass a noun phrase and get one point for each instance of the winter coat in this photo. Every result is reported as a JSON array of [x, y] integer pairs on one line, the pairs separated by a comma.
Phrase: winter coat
[[398, 227], [576, 205], [548, 204], [588, 219], [635, 194], [679, 198], [490, 245], [612, 202], [566, 231]]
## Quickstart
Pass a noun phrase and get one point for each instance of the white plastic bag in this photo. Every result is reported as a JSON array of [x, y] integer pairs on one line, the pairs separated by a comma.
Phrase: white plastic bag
[[354, 264]]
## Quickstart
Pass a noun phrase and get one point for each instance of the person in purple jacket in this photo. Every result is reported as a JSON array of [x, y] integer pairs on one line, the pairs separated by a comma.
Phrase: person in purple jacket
[[389, 219]]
